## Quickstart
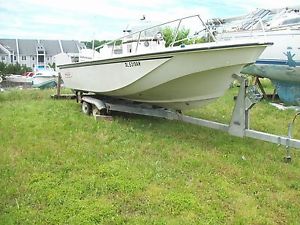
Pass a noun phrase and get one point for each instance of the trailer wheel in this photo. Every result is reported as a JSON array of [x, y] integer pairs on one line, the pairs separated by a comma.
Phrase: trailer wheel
[[86, 108]]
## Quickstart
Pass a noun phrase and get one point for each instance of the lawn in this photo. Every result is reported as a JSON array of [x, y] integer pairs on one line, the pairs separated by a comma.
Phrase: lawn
[[59, 166]]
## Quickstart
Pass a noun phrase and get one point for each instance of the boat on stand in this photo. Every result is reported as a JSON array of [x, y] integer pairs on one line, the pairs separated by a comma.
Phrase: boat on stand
[[45, 78], [138, 67], [42, 77], [14, 80], [280, 62]]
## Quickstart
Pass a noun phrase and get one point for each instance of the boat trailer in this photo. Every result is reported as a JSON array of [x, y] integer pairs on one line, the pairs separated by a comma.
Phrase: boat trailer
[[248, 96]]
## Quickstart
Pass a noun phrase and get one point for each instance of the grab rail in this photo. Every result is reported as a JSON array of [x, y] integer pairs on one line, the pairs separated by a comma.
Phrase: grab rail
[[159, 25]]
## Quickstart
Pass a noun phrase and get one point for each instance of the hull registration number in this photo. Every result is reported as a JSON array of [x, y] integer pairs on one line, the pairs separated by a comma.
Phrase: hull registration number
[[132, 64]]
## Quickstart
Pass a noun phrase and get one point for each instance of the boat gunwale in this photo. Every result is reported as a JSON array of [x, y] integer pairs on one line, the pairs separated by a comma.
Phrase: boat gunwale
[[261, 33], [155, 55]]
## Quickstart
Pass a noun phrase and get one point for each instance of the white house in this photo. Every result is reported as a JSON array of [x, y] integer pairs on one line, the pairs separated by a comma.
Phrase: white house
[[37, 53]]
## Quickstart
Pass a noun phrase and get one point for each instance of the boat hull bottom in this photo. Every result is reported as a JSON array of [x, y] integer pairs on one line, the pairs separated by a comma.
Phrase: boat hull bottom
[[285, 78], [203, 88], [274, 72], [288, 92]]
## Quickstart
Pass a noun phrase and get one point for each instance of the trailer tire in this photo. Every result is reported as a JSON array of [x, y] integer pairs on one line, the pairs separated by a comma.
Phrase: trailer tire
[[86, 108]]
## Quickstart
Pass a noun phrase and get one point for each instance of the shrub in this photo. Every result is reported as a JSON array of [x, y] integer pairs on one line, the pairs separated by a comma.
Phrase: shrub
[[6, 69]]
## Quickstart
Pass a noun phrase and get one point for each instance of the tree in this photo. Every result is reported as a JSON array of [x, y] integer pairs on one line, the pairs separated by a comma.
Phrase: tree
[[6, 69], [97, 43], [197, 40], [169, 33], [2, 68]]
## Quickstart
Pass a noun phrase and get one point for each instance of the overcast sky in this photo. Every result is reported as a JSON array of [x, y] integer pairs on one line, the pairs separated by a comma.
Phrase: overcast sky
[[105, 19]]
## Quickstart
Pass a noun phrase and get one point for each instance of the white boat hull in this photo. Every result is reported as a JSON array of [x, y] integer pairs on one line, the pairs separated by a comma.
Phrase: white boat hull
[[19, 79], [37, 80], [281, 61], [178, 79]]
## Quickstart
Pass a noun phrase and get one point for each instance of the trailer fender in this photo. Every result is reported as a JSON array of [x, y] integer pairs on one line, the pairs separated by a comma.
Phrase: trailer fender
[[100, 105]]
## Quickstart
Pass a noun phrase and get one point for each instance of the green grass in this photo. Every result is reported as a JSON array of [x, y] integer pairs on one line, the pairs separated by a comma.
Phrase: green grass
[[58, 166]]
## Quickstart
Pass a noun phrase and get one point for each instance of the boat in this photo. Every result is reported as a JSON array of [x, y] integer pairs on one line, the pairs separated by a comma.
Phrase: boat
[[279, 62], [25, 78], [44, 78], [178, 77], [15, 80]]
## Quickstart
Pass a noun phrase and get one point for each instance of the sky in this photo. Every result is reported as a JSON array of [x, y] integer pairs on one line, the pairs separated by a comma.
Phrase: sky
[[106, 19]]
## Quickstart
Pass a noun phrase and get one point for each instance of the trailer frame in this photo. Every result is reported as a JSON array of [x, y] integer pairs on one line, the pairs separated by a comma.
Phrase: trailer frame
[[239, 125]]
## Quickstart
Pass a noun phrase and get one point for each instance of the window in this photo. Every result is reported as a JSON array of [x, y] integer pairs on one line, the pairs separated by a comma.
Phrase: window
[[15, 57], [3, 58], [32, 58], [23, 57]]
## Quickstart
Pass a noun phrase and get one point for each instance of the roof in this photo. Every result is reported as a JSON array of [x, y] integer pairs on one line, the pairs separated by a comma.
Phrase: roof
[[9, 44], [27, 46], [70, 46], [2, 52], [52, 47]]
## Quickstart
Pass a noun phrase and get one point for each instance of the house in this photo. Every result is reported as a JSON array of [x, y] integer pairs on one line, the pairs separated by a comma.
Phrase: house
[[37, 53]]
